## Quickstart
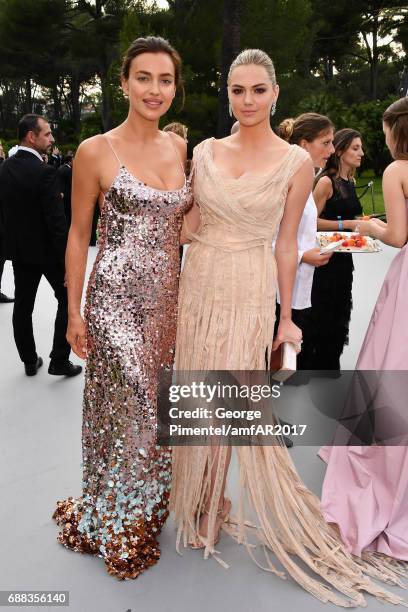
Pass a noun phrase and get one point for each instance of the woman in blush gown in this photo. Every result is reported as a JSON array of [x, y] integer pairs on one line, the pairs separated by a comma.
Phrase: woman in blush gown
[[245, 187], [365, 491], [130, 314]]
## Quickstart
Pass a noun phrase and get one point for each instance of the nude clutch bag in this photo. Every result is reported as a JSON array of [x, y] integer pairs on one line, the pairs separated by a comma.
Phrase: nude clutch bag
[[283, 361]]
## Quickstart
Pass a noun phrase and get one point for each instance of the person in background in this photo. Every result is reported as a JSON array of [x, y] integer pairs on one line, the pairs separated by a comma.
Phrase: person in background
[[55, 159], [64, 174], [35, 237], [338, 206], [314, 133], [177, 128], [365, 490], [4, 299], [181, 130], [235, 127]]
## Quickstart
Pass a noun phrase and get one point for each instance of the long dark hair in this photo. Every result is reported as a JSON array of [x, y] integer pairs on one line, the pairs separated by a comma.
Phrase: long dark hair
[[341, 142]]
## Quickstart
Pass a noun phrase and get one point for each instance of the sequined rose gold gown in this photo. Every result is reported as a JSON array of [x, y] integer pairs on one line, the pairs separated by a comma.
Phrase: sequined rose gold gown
[[226, 321], [131, 316]]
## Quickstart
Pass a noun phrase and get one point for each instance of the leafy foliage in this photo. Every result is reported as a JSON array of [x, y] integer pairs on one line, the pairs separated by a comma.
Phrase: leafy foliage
[[62, 58]]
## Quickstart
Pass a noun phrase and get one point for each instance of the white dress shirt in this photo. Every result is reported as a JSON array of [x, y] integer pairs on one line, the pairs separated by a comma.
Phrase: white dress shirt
[[306, 238], [13, 151], [33, 151]]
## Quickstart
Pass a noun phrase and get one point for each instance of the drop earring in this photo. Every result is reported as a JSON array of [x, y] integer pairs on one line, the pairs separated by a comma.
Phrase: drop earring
[[273, 109], [230, 109]]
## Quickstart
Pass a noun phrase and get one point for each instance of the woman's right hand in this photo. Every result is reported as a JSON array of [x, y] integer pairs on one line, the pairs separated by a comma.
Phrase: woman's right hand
[[313, 257], [76, 335]]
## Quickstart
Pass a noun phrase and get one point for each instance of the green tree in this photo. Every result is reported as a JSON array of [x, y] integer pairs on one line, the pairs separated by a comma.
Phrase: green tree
[[281, 28], [37, 67], [195, 29], [348, 37], [367, 118], [328, 105], [230, 47], [379, 19], [334, 35], [24, 53], [101, 32]]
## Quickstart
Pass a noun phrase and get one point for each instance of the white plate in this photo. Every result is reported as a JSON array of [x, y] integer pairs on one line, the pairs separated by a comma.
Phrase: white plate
[[332, 246], [372, 245]]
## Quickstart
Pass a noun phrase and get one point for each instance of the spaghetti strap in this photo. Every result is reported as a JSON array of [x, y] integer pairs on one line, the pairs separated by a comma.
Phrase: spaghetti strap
[[178, 156], [113, 150]]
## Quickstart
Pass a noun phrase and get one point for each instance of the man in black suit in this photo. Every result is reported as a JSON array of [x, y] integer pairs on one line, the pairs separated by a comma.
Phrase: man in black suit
[[4, 299], [64, 174], [34, 236]]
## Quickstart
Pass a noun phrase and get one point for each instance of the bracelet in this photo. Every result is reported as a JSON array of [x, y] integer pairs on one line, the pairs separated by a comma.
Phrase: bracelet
[[339, 224]]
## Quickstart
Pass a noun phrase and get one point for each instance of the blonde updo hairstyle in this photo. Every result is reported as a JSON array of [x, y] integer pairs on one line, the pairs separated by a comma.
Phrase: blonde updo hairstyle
[[255, 57]]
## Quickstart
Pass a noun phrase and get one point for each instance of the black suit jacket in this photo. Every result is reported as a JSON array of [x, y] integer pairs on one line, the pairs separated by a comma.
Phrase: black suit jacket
[[32, 219], [64, 174]]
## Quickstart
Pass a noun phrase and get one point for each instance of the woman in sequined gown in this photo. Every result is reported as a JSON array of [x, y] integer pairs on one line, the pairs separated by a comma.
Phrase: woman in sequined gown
[[130, 316], [245, 187]]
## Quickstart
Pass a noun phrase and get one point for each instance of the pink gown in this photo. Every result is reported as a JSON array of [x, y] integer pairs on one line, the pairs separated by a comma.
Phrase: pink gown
[[365, 490]]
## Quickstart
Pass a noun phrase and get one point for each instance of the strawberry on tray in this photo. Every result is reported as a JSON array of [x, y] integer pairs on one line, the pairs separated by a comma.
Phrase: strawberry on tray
[[347, 242]]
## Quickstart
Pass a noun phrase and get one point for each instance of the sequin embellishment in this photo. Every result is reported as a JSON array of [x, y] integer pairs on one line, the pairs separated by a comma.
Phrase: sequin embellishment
[[131, 315]]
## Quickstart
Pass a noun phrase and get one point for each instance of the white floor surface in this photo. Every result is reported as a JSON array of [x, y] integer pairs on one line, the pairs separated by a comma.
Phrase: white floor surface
[[40, 456]]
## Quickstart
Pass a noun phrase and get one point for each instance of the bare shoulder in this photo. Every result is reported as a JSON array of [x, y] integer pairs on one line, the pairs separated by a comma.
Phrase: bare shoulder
[[203, 144], [300, 161], [227, 140], [397, 170], [324, 185], [180, 144], [302, 172], [303, 159], [90, 149], [226, 143], [299, 152]]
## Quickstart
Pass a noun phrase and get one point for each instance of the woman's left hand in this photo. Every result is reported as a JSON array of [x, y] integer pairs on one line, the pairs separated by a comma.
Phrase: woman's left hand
[[288, 332]]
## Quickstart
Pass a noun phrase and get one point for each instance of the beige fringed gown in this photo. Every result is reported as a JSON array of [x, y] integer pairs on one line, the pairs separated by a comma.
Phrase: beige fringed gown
[[226, 321]]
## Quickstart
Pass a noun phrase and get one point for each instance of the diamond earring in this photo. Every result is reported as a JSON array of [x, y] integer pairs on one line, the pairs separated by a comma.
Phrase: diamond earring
[[273, 109]]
